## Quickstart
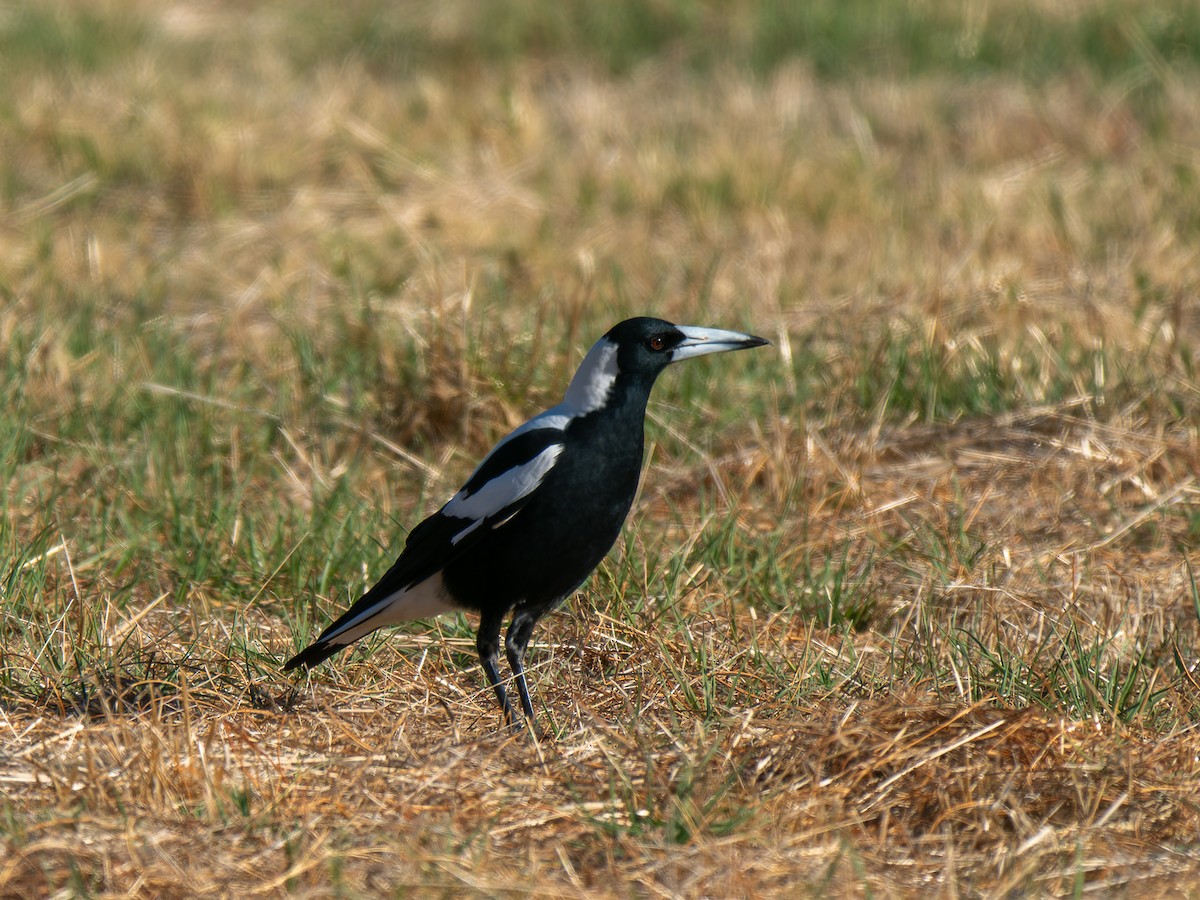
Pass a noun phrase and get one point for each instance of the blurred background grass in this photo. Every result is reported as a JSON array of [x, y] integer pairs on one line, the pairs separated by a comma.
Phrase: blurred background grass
[[1031, 39]]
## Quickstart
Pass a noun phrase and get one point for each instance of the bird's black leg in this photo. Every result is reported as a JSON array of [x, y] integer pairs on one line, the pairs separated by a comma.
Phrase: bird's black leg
[[487, 642], [514, 647]]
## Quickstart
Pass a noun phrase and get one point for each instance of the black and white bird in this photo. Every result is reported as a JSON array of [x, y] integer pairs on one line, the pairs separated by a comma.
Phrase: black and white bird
[[539, 513]]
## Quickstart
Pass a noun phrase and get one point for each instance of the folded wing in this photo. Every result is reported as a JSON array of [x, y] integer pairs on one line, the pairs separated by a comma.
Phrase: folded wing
[[411, 589]]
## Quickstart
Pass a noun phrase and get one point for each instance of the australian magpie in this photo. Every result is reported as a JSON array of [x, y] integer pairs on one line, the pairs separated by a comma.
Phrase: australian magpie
[[539, 513]]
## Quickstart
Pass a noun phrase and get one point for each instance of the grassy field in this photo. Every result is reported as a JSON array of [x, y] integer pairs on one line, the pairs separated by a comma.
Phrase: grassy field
[[910, 601]]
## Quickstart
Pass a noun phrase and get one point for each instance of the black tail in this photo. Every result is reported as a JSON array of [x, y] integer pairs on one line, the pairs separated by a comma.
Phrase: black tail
[[368, 613]]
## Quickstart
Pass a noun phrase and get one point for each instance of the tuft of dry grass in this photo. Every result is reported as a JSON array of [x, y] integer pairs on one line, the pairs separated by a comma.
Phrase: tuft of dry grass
[[909, 604]]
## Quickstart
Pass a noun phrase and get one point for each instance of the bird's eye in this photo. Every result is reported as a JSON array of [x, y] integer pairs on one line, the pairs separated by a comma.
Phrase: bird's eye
[[657, 342]]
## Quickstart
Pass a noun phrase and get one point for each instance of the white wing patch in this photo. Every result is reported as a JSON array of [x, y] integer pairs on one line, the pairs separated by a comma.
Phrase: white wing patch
[[501, 491], [589, 389], [462, 534]]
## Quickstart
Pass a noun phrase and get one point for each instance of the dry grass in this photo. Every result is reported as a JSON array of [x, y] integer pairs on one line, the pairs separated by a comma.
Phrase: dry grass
[[908, 605]]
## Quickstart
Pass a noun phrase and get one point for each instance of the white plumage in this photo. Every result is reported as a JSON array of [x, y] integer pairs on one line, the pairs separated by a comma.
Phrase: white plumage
[[503, 490]]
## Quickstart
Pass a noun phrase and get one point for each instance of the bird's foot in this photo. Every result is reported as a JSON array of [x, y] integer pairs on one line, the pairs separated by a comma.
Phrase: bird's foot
[[525, 726]]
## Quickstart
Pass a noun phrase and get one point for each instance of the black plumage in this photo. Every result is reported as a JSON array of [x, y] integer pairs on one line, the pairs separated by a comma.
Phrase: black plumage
[[539, 513]]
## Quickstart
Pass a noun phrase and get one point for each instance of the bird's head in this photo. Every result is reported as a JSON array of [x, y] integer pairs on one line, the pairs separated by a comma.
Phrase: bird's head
[[647, 346], [638, 349]]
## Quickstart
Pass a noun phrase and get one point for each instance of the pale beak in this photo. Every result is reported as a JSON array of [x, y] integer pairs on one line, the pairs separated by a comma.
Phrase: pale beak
[[700, 341]]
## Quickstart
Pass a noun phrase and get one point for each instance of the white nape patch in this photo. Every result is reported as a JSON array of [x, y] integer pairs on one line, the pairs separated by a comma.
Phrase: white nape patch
[[503, 490], [587, 392], [420, 601], [589, 389]]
